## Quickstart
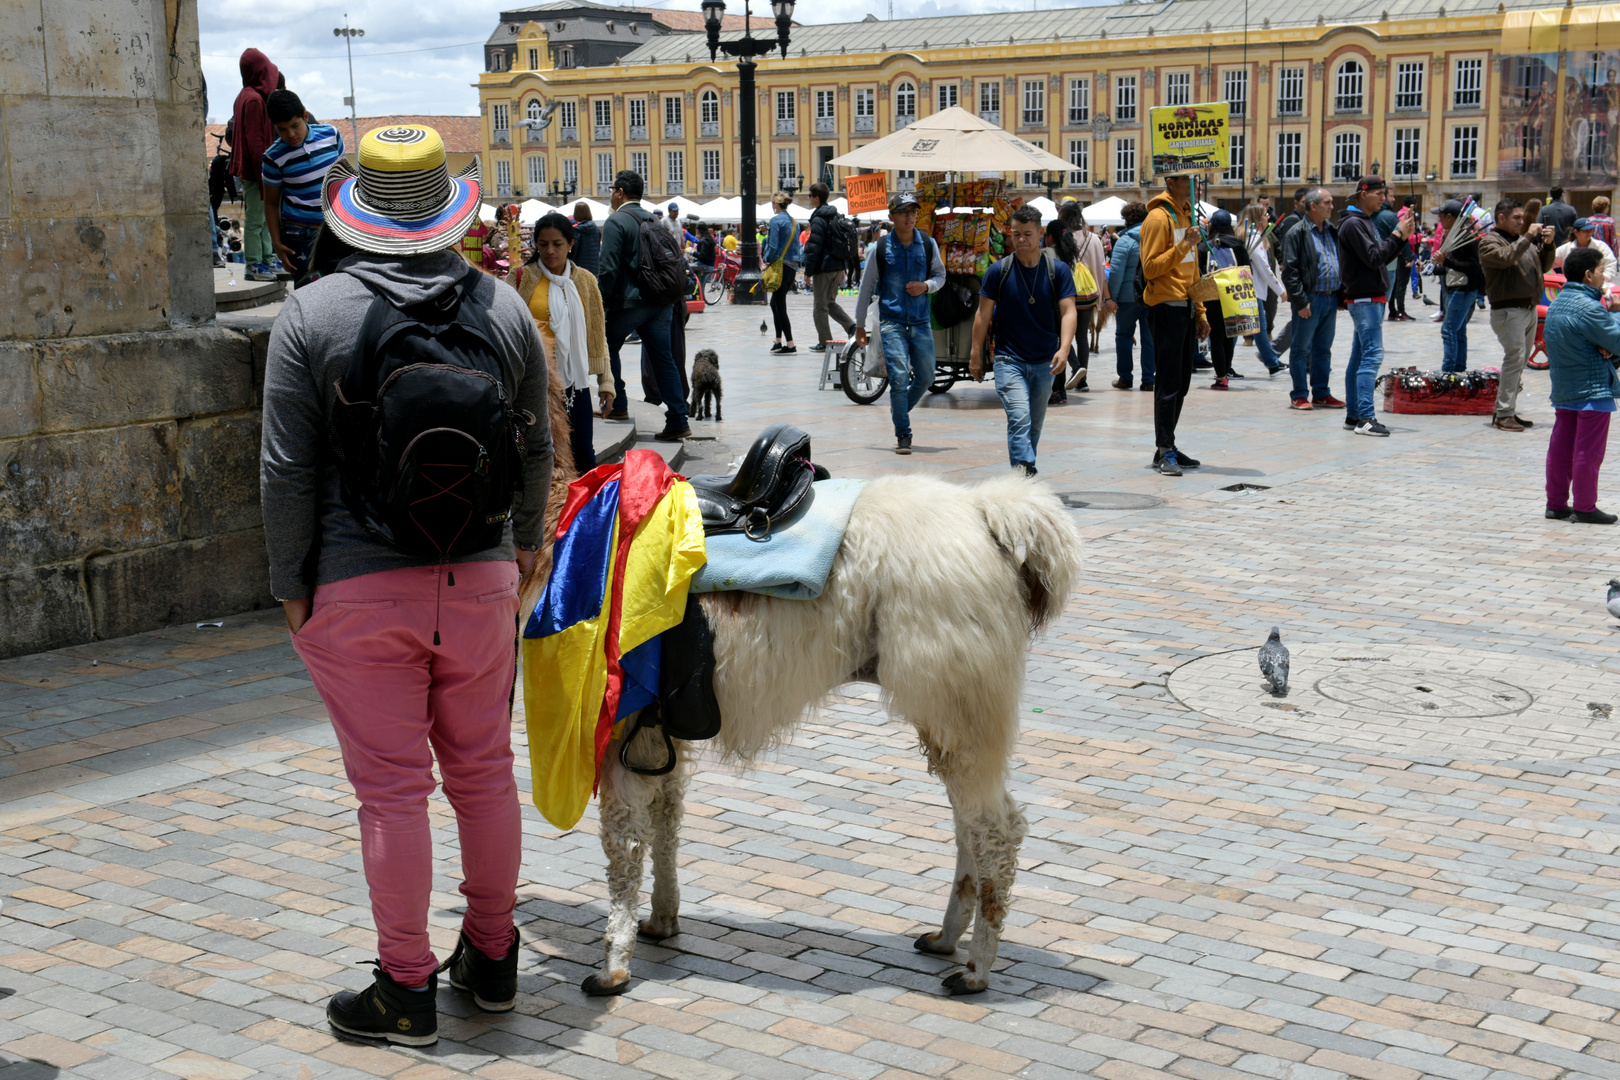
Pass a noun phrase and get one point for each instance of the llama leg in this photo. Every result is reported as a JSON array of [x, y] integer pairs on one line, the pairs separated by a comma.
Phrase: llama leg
[[717, 417], [668, 804], [963, 900], [623, 817], [995, 829]]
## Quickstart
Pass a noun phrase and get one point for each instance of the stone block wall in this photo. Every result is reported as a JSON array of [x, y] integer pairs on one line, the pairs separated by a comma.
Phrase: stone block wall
[[129, 483]]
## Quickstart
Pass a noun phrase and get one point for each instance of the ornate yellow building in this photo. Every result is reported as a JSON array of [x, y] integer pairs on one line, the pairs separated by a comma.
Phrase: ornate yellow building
[[1441, 96]]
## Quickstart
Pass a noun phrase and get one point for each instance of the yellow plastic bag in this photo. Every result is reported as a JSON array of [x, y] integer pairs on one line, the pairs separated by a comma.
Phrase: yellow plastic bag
[[1240, 308]]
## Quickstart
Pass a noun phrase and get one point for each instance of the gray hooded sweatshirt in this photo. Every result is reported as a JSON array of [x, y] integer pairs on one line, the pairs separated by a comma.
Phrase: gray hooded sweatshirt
[[310, 348]]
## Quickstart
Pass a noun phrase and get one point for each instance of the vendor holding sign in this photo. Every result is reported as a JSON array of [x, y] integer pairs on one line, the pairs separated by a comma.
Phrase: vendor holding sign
[[1028, 297]]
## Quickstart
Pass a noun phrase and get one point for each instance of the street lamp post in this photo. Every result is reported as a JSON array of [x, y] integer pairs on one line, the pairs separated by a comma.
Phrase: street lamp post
[[749, 287], [348, 34]]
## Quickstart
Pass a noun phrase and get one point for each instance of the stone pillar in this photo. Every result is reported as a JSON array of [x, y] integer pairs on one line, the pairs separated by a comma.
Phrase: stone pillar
[[129, 420]]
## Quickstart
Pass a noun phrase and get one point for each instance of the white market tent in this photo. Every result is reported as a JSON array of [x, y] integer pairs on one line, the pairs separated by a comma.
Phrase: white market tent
[[1046, 206], [766, 211], [486, 213], [1105, 212], [599, 211], [532, 210], [722, 211], [952, 140]]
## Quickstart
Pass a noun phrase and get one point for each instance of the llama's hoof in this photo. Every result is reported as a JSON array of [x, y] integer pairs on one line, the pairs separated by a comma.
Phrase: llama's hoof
[[930, 943], [597, 986], [961, 983], [654, 931]]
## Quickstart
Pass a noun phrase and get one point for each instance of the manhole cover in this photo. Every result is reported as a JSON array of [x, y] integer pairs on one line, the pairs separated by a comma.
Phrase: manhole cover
[[1414, 700], [1408, 692], [1109, 500]]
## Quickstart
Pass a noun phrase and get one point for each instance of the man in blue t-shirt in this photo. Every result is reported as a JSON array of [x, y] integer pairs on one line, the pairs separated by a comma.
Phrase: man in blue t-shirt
[[1028, 297], [291, 175]]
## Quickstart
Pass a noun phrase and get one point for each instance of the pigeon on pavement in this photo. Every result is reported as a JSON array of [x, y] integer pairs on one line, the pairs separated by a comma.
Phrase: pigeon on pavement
[[1614, 597], [762, 327], [1274, 663]]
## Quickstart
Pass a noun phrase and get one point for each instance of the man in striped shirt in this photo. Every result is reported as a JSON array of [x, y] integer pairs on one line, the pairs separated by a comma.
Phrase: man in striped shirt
[[291, 173]]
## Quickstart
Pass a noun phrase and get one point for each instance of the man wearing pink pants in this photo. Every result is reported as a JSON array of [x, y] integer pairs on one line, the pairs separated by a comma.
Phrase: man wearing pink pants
[[413, 654]]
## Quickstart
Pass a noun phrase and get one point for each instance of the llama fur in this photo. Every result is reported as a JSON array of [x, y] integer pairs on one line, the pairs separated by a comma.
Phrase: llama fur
[[706, 385], [942, 628]]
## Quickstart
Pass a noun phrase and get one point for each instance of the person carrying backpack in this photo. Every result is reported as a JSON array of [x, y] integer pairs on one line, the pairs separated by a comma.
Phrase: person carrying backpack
[[903, 268], [831, 236], [643, 275], [1028, 297], [404, 470]]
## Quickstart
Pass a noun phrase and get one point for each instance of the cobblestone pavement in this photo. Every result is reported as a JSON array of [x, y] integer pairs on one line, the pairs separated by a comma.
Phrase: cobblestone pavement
[[1211, 889]]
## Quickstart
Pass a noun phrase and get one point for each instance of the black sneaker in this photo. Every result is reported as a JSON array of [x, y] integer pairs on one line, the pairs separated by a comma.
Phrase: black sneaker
[[387, 1010], [1166, 463], [1372, 427], [1593, 517], [1561, 513], [902, 444], [492, 983], [1351, 423], [1185, 461], [1146, 386], [1026, 468]]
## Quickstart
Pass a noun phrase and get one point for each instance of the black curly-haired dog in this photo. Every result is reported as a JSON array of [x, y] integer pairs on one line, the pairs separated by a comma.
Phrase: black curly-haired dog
[[706, 385]]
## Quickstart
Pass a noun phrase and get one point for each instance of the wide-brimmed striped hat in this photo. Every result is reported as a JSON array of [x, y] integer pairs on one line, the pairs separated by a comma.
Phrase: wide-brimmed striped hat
[[402, 200]]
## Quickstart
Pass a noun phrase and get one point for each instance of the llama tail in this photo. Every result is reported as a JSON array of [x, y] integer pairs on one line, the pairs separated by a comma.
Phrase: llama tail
[[1031, 525]]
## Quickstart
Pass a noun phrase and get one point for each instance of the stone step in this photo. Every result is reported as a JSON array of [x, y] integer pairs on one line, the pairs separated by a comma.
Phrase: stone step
[[245, 293]]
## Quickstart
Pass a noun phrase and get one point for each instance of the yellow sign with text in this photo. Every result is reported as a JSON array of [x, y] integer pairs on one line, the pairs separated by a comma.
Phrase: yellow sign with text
[[1189, 138], [1240, 308]]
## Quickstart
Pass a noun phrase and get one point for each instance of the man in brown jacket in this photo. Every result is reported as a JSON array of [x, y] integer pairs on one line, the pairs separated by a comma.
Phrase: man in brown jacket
[[1514, 257], [1175, 322]]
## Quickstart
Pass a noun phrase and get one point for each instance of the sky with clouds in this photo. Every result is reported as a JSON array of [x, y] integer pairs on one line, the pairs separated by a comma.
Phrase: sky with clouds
[[422, 57]]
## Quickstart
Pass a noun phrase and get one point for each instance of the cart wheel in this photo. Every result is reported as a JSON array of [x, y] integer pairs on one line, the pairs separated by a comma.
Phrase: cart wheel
[[944, 379], [859, 387], [714, 290]]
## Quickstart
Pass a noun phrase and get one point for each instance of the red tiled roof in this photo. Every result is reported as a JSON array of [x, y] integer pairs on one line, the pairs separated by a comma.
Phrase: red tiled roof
[[461, 134], [692, 21]]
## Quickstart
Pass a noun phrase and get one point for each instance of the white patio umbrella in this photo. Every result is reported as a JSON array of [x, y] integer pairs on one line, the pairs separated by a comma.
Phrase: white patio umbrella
[[952, 140]]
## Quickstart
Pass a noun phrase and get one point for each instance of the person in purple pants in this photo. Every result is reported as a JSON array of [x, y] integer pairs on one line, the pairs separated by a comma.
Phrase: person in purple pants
[[1582, 336]]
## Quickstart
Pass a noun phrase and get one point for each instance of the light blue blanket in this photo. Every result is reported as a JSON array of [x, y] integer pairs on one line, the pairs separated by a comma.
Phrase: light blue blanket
[[794, 561]]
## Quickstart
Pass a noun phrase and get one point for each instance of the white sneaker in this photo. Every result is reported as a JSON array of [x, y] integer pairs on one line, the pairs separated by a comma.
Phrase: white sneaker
[[1373, 428]]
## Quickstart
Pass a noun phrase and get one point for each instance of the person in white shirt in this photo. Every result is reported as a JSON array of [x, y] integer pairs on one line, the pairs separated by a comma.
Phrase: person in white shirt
[[1583, 234]]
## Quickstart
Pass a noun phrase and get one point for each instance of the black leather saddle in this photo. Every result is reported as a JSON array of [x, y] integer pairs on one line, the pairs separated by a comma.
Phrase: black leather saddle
[[773, 483]]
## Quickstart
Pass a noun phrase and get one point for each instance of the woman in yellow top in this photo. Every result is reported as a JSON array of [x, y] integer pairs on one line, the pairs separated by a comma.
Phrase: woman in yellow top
[[730, 242], [567, 307]]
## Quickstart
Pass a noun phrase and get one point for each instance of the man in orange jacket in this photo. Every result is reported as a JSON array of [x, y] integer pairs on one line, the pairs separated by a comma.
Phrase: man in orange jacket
[[1176, 322]]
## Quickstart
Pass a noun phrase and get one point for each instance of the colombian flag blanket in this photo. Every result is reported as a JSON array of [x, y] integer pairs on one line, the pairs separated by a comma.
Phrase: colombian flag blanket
[[628, 542]]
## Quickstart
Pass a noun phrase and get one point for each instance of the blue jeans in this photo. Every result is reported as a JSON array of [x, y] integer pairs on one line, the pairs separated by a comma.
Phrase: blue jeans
[[1313, 346], [908, 353], [1125, 323], [651, 324], [1454, 331], [1023, 389], [1366, 357], [301, 238], [1262, 342]]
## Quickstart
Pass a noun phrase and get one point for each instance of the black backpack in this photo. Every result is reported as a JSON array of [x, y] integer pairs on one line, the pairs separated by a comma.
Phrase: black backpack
[[660, 265], [842, 243], [423, 434]]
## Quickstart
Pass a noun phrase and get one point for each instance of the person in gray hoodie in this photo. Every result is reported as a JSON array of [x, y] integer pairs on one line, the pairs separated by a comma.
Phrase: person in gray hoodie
[[413, 657]]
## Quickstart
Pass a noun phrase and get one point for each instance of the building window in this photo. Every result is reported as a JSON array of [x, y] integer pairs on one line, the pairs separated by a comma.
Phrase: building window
[[495, 61], [1178, 88], [570, 167], [503, 177], [568, 120], [1237, 148], [1592, 153], [1079, 101], [534, 59], [787, 163], [990, 101], [532, 110], [565, 56], [787, 104], [1465, 150], [602, 119], [1351, 87], [674, 114], [637, 110], [1530, 75], [638, 164], [1289, 153], [1408, 140], [1291, 91], [1034, 101], [498, 115], [1080, 162], [1409, 85], [1125, 102], [537, 173], [826, 112], [709, 110], [905, 103], [674, 172], [1468, 90], [946, 95], [711, 172], [1237, 92], [1034, 177], [604, 172], [866, 110], [1347, 156], [1124, 162]]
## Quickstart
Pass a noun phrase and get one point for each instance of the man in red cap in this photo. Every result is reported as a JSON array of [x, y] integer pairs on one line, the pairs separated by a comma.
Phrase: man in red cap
[[1364, 254]]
